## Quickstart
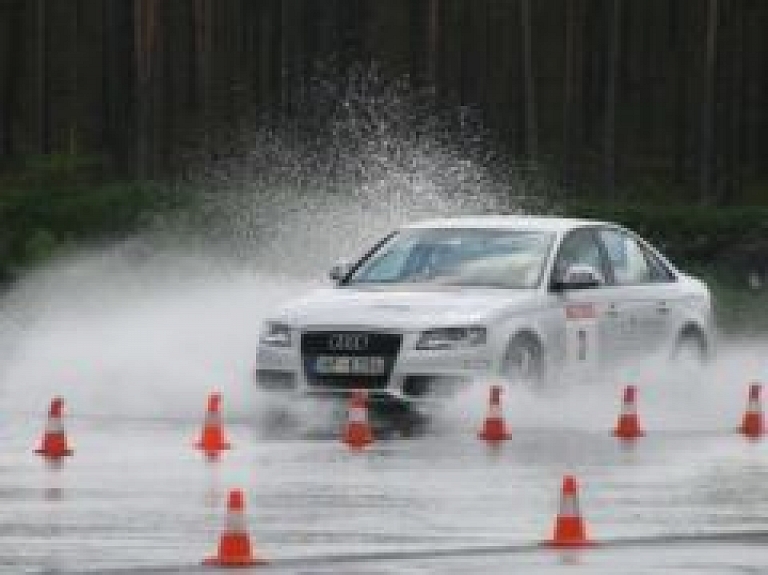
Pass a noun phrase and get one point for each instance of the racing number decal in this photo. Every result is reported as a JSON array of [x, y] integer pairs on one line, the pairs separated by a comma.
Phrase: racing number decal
[[582, 344], [581, 334]]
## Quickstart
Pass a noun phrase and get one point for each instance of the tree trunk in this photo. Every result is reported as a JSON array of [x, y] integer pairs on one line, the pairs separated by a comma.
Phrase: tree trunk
[[6, 113], [611, 83], [432, 41], [11, 82], [529, 80], [754, 110], [737, 91], [681, 145], [707, 156], [568, 56], [43, 111], [73, 139], [202, 58], [142, 104], [276, 62], [466, 79]]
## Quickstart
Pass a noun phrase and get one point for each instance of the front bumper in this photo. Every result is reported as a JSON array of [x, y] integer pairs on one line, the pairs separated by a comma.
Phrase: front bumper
[[415, 375]]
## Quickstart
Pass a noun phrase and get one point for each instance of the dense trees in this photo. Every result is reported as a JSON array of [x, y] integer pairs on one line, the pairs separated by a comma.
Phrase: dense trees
[[613, 94]]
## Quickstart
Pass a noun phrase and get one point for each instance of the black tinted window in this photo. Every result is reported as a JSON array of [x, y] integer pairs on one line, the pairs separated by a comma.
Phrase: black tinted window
[[580, 247]]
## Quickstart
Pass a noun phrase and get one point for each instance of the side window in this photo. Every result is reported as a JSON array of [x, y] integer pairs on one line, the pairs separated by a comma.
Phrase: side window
[[630, 262], [660, 271], [580, 247]]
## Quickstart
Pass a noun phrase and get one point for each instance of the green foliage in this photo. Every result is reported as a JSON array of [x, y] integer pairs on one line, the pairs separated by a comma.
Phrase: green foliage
[[56, 170], [39, 246], [738, 309], [35, 222], [693, 235], [53, 203]]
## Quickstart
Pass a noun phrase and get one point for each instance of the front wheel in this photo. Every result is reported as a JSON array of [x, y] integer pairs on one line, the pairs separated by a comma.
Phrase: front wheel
[[690, 356], [524, 361]]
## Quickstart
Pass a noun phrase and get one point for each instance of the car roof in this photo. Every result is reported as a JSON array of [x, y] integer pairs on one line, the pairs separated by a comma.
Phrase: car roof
[[517, 222]]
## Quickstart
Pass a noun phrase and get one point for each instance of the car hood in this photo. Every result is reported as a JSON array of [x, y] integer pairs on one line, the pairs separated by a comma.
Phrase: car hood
[[403, 309]]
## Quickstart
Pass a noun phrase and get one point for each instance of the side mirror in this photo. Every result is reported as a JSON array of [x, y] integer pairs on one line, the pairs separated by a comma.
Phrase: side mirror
[[578, 276], [340, 271]]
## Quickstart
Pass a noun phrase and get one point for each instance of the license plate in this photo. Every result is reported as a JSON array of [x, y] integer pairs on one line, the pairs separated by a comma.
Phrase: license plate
[[350, 365]]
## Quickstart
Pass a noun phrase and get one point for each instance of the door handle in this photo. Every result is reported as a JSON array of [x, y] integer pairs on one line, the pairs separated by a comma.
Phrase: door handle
[[662, 308]]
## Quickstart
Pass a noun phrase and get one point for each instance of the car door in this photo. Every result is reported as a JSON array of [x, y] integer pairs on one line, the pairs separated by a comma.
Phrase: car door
[[589, 318], [646, 299]]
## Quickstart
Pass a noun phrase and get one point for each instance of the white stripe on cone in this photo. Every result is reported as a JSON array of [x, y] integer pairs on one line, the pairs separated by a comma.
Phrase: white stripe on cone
[[754, 406], [54, 425], [357, 414], [236, 522], [629, 408], [569, 506]]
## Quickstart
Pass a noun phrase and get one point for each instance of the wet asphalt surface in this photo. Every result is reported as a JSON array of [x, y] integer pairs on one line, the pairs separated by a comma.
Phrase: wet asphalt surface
[[137, 498]]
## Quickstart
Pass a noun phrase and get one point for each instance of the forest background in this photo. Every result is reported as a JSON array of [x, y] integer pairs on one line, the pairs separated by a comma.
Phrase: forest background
[[653, 113]]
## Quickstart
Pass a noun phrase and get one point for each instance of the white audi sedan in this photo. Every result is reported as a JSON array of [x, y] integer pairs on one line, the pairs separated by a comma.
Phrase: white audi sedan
[[438, 305]]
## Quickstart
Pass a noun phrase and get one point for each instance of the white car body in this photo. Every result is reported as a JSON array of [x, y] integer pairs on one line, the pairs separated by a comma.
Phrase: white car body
[[576, 331]]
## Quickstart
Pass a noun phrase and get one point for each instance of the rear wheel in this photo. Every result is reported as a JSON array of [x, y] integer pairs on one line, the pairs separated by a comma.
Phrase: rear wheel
[[524, 361], [690, 352]]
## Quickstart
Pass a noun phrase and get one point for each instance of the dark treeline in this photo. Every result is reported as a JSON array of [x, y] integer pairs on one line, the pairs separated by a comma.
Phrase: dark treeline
[[610, 95]]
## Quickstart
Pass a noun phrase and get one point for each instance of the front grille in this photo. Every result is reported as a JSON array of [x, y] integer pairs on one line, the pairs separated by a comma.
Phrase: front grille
[[349, 344], [320, 342]]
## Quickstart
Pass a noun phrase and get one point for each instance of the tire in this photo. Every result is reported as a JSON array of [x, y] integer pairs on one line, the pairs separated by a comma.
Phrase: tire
[[523, 361], [690, 351]]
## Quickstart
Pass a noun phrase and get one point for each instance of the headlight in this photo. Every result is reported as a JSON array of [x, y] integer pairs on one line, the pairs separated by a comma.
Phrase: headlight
[[276, 334], [452, 337]]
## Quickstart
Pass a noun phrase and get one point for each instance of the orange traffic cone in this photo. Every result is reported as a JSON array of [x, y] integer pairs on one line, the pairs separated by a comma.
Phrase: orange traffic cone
[[570, 530], [54, 443], [234, 543], [752, 425], [212, 440], [494, 428], [628, 425], [357, 433]]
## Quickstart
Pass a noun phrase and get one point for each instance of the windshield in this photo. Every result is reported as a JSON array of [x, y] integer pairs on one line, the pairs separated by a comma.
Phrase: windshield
[[458, 257]]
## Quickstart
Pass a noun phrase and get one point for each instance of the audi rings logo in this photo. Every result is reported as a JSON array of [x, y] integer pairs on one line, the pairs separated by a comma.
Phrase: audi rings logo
[[348, 342]]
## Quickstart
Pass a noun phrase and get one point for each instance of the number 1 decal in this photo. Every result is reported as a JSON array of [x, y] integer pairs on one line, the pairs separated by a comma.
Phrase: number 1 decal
[[581, 336], [582, 345]]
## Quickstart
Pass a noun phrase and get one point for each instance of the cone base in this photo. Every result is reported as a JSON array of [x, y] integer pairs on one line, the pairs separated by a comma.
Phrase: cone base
[[357, 436], [212, 439], [357, 445], [247, 561], [570, 531], [212, 451], [752, 426], [569, 544], [628, 434], [628, 427], [752, 433], [214, 446], [493, 437], [54, 445], [494, 430], [54, 455]]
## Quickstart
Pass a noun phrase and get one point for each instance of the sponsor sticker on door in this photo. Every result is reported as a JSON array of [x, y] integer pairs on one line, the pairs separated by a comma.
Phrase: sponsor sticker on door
[[577, 311]]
